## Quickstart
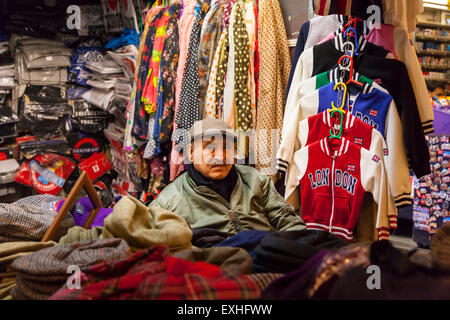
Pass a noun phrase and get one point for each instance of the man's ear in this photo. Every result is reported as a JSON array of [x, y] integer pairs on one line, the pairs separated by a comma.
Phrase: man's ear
[[190, 152]]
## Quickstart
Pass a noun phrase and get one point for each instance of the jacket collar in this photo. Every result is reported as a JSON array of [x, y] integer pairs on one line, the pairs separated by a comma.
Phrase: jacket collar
[[349, 120], [334, 74], [339, 42], [341, 150]]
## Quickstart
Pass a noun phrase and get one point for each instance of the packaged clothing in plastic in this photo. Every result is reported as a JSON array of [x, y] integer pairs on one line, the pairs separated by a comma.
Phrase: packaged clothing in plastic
[[105, 65], [44, 111], [43, 56], [47, 173], [98, 97], [8, 120], [95, 166], [8, 169], [86, 117], [126, 58], [48, 76], [78, 71], [32, 148]]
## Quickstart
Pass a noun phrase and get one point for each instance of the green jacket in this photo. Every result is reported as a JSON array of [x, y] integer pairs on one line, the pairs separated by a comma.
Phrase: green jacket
[[255, 204]]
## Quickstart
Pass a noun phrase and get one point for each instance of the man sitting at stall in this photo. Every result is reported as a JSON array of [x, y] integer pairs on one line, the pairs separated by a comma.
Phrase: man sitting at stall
[[216, 193]]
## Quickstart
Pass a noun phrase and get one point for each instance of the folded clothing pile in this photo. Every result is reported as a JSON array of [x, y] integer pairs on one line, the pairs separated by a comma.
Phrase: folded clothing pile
[[44, 111], [285, 251], [42, 273], [152, 274], [41, 61], [6, 67], [9, 252]]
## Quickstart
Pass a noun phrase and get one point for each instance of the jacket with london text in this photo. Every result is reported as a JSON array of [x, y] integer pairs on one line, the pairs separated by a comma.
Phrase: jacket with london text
[[334, 176]]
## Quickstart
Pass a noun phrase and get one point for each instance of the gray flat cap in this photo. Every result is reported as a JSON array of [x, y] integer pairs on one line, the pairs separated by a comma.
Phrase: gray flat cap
[[210, 127]]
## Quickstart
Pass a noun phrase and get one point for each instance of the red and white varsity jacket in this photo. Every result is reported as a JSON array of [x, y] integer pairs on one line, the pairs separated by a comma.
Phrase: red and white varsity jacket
[[334, 175], [357, 131]]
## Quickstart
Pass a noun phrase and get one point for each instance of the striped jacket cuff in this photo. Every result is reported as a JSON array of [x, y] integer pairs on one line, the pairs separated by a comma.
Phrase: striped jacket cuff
[[383, 234], [428, 127], [403, 200], [282, 165], [393, 222]]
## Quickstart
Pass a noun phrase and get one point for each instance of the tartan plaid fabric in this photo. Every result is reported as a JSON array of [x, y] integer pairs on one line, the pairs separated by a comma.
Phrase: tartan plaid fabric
[[42, 273], [152, 274]]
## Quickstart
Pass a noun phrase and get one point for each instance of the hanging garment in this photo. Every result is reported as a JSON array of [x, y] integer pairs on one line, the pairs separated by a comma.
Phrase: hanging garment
[[140, 126], [188, 110], [311, 33], [273, 77], [250, 23], [393, 76], [402, 13], [209, 42], [318, 127], [335, 175], [186, 23], [131, 106], [243, 111], [291, 112], [211, 106], [227, 8], [397, 40], [357, 8], [222, 71], [256, 53], [169, 66], [150, 91], [228, 102], [377, 109]]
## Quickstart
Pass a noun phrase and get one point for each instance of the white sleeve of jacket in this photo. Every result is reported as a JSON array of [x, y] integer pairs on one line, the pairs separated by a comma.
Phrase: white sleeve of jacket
[[304, 68], [378, 146], [291, 117], [408, 56], [296, 111], [296, 171], [396, 160], [373, 180]]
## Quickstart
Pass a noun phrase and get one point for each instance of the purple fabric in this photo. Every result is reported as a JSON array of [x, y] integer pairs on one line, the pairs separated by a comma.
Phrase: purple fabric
[[294, 285], [82, 209]]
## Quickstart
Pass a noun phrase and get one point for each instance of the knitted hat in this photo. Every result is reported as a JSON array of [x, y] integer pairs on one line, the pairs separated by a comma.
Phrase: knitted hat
[[143, 227], [440, 248], [79, 234]]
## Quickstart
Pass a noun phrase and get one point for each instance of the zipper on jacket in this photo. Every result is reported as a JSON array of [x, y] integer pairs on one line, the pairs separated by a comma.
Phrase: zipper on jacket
[[332, 193], [231, 213]]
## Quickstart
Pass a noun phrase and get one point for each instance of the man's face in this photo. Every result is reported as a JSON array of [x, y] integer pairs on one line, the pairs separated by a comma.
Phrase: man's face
[[438, 92], [213, 157]]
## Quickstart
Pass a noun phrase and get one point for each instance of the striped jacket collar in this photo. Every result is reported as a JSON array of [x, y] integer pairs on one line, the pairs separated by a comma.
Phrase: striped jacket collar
[[339, 41], [333, 77], [341, 150], [349, 120]]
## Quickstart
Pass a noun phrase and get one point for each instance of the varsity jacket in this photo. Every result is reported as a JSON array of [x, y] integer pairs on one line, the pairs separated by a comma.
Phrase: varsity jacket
[[371, 106], [396, 41], [334, 175], [291, 114], [393, 76]]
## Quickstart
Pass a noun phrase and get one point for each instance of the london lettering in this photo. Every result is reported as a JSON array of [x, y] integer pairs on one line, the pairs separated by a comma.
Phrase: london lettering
[[342, 180], [366, 119]]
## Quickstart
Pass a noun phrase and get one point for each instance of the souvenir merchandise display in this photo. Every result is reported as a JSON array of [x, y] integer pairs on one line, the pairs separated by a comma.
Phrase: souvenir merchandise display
[[95, 119], [431, 193]]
